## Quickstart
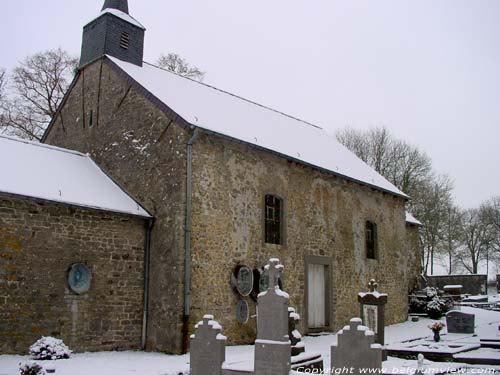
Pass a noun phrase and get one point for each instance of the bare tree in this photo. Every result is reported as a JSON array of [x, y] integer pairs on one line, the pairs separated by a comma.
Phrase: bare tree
[[476, 239], [178, 65], [401, 163], [451, 235], [2, 82], [430, 204], [37, 88], [491, 209]]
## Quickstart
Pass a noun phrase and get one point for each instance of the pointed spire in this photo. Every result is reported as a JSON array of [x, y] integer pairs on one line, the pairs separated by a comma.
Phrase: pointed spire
[[116, 4]]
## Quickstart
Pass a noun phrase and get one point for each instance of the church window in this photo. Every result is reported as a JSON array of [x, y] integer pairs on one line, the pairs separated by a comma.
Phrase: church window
[[273, 220], [371, 240], [125, 40]]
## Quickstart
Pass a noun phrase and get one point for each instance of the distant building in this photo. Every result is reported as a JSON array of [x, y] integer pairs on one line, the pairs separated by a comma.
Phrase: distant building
[[230, 183]]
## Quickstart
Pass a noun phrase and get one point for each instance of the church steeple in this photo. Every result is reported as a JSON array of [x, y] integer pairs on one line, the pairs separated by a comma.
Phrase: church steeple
[[114, 32], [116, 4]]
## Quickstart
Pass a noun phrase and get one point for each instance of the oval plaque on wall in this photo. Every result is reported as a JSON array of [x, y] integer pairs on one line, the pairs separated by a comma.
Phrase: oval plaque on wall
[[79, 278], [242, 312], [244, 281]]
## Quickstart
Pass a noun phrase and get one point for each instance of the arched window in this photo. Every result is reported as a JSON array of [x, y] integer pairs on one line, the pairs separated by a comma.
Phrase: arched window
[[273, 220], [371, 240]]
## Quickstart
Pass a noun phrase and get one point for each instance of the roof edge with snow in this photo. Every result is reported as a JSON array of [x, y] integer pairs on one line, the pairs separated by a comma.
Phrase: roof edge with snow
[[52, 174], [173, 115]]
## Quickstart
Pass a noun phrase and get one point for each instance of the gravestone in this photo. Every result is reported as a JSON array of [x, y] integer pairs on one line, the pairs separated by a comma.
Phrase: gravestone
[[460, 322], [208, 348], [272, 347], [356, 351], [372, 310], [298, 346]]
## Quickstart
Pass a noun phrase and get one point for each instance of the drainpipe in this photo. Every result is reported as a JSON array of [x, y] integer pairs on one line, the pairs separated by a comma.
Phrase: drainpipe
[[187, 234], [147, 252]]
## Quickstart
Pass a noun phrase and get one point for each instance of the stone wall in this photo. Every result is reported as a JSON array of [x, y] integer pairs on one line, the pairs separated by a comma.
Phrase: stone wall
[[134, 139], [324, 216], [38, 244], [144, 151], [414, 249], [472, 284]]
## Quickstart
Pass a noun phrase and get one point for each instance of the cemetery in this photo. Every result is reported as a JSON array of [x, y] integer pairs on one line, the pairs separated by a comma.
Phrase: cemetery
[[464, 339]]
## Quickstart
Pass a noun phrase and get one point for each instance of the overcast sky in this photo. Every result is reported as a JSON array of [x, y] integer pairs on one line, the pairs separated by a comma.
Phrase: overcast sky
[[429, 70]]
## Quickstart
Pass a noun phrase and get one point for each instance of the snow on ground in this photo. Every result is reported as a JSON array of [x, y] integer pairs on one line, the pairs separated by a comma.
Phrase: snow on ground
[[140, 363]]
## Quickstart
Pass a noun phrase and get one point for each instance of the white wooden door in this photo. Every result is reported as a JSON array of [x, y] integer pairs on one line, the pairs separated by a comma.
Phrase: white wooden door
[[316, 296]]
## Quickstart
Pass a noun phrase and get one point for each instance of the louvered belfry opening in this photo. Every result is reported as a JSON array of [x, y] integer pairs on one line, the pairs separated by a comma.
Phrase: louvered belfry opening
[[125, 40]]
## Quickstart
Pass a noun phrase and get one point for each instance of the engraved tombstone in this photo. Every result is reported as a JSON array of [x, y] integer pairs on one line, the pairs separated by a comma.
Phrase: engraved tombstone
[[372, 310], [356, 350], [272, 347], [459, 322], [208, 348]]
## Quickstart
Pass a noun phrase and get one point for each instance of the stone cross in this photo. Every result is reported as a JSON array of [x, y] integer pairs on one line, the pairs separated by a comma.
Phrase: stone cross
[[272, 347], [208, 348], [356, 350], [372, 285], [273, 270]]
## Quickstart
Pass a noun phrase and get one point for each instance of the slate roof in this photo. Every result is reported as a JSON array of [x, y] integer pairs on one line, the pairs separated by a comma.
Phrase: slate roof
[[50, 173]]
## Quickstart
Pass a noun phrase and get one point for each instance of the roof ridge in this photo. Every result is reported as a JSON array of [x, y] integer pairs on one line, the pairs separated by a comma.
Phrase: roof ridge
[[43, 145], [237, 96]]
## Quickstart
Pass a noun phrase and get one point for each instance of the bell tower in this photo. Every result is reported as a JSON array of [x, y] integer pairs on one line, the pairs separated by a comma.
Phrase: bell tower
[[114, 32]]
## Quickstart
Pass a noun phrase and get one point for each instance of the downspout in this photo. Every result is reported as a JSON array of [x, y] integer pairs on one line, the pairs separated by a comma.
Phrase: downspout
[[147, 257], [187, 234]]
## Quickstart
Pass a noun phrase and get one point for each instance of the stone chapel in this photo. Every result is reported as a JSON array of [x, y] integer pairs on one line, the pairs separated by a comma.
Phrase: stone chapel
[[226, 184]]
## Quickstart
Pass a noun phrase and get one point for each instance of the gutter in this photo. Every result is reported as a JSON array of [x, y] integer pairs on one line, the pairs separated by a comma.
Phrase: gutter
[[187, 244], [147, 257]]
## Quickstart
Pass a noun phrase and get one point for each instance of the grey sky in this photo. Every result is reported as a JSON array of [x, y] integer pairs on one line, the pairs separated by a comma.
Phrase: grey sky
[[429, 70]]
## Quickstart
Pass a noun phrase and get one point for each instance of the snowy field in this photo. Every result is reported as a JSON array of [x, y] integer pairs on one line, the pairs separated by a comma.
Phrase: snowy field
[[140, 363]]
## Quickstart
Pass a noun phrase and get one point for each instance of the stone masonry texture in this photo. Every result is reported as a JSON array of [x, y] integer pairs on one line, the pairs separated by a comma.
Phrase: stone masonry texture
[[38, 244], [324, 215], [145, 152]]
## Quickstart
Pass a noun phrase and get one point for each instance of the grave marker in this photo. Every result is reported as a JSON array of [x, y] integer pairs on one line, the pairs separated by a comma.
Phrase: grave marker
[[272, 347], [356, 350], [208, 348], [372, 310], [460, 322]]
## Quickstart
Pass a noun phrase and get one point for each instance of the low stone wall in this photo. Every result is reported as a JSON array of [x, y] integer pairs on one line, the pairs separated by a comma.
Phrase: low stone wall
[[472, 284], [39, 242]]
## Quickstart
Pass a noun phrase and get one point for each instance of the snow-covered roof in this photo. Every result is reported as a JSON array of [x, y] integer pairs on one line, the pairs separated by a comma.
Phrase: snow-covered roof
[[223, 113], [55, 174], [124, 16], [410, 219]]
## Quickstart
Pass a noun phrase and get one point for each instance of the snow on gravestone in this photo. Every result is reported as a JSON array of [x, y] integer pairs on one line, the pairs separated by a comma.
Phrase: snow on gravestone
[[460, 322], [208, 348], [272, 347], [356, 350]]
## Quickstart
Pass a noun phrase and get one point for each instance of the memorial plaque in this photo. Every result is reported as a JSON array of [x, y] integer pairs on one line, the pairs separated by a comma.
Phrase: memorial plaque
[[370, 317], [244, 281], [79, 278], [459, 322], [242, 312]]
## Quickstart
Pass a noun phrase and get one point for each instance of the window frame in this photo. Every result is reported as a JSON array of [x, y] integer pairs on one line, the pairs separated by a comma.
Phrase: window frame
[[371, 240], [280, 220]]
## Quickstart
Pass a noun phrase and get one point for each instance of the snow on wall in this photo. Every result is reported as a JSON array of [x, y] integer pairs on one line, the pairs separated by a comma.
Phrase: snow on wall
[[220, 112], [55, 174]]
